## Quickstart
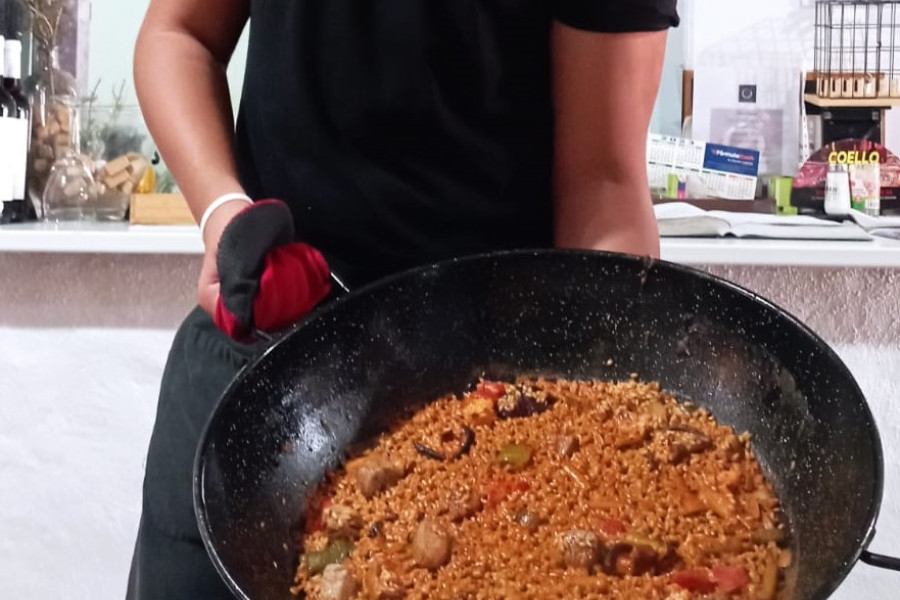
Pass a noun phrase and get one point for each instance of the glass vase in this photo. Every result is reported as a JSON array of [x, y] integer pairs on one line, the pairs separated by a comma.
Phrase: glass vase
[[54, 122]]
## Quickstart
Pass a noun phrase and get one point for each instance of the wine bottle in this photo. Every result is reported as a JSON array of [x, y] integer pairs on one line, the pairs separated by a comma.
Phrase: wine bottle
[[9, 130], [12, 83]]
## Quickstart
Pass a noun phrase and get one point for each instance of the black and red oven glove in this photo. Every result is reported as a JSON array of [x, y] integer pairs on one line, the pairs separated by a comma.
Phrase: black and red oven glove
[[267, 280]]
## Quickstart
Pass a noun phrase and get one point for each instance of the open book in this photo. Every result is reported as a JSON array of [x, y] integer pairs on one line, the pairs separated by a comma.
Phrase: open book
[[888, 227], [679, 219]]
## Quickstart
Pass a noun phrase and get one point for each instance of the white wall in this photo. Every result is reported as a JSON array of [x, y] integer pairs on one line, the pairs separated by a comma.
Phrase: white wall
[[76, 414], [83, 341]]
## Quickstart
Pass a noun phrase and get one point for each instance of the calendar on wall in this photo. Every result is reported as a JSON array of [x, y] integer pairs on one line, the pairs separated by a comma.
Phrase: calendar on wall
[[721, 171]]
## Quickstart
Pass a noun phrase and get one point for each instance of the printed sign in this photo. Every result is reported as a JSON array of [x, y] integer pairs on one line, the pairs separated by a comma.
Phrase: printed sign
[[808, 194], [726, 172], [731, 160]]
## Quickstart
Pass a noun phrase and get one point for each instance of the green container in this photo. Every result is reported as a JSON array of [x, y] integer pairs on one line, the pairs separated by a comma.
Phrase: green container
[[780, 189], [674, 182]]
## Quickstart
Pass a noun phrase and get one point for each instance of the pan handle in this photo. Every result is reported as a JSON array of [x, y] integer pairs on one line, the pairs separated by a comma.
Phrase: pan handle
[[338, 289], [880, 561]]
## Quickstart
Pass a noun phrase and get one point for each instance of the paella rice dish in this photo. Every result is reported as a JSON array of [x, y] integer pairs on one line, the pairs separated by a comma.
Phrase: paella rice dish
[[547, 489]]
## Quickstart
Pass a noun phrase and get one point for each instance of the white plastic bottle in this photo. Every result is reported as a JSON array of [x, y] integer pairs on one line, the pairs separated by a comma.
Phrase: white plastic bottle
[[837, 190]]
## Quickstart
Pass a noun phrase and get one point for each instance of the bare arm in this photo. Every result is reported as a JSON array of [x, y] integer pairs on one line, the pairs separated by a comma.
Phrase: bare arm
[[605, 87], [179, 70]]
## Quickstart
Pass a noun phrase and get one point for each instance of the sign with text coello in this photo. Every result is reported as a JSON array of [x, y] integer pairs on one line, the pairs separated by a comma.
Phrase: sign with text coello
[[808, 194]]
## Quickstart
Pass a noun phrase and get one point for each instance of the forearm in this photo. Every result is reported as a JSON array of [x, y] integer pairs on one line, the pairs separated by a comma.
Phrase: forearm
[[183, 93], [607, 214], [605, 87]]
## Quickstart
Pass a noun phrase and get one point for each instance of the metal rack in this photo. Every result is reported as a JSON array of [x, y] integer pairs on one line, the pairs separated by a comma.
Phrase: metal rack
[[857, 49]]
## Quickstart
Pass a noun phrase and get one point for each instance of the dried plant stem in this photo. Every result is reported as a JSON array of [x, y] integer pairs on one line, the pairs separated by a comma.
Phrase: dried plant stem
[[46, 17]]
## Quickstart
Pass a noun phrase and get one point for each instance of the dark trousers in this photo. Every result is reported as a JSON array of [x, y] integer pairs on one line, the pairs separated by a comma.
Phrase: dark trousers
[[170, 562]]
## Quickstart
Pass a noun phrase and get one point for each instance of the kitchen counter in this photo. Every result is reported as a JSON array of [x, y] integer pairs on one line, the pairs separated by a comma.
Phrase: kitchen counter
[[88, 312], [122, 238], [100, 238]]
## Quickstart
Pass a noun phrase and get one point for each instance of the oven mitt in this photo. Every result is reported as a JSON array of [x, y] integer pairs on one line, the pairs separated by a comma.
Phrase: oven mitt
[[267, 280]]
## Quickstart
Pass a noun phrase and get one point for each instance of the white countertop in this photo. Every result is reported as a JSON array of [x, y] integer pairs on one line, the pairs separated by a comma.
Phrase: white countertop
[[880, 253], [122, 238], [103, 238]]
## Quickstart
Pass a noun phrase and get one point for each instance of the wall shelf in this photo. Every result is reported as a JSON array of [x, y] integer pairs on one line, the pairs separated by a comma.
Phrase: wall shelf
[[851, 102]]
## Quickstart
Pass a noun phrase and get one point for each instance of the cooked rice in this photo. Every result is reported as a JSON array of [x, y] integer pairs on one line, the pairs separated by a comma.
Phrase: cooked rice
[[621, 472]]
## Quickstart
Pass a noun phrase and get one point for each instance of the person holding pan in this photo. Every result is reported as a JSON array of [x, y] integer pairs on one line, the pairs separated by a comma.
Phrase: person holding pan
[[373, 137]]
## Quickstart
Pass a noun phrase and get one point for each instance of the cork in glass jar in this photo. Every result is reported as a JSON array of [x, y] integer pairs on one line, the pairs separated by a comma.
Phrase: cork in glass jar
[[54, 113]]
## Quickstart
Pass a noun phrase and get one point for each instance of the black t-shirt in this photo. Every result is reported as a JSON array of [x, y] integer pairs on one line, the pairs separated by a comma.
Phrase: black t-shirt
[[403, 132]]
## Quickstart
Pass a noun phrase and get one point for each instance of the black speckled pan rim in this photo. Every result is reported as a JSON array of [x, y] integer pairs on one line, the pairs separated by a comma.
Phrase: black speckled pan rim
[[825, 589]]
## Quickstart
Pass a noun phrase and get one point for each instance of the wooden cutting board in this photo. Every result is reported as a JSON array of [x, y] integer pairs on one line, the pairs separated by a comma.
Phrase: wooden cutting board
[[160, 209]]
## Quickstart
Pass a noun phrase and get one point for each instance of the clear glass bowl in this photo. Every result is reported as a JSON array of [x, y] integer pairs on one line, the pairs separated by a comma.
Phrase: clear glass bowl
[[70, 189], [110, 131], [116, 140], [109, 205]]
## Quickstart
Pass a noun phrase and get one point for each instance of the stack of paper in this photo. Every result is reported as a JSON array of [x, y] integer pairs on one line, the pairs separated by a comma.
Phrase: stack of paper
[[678, 219]]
